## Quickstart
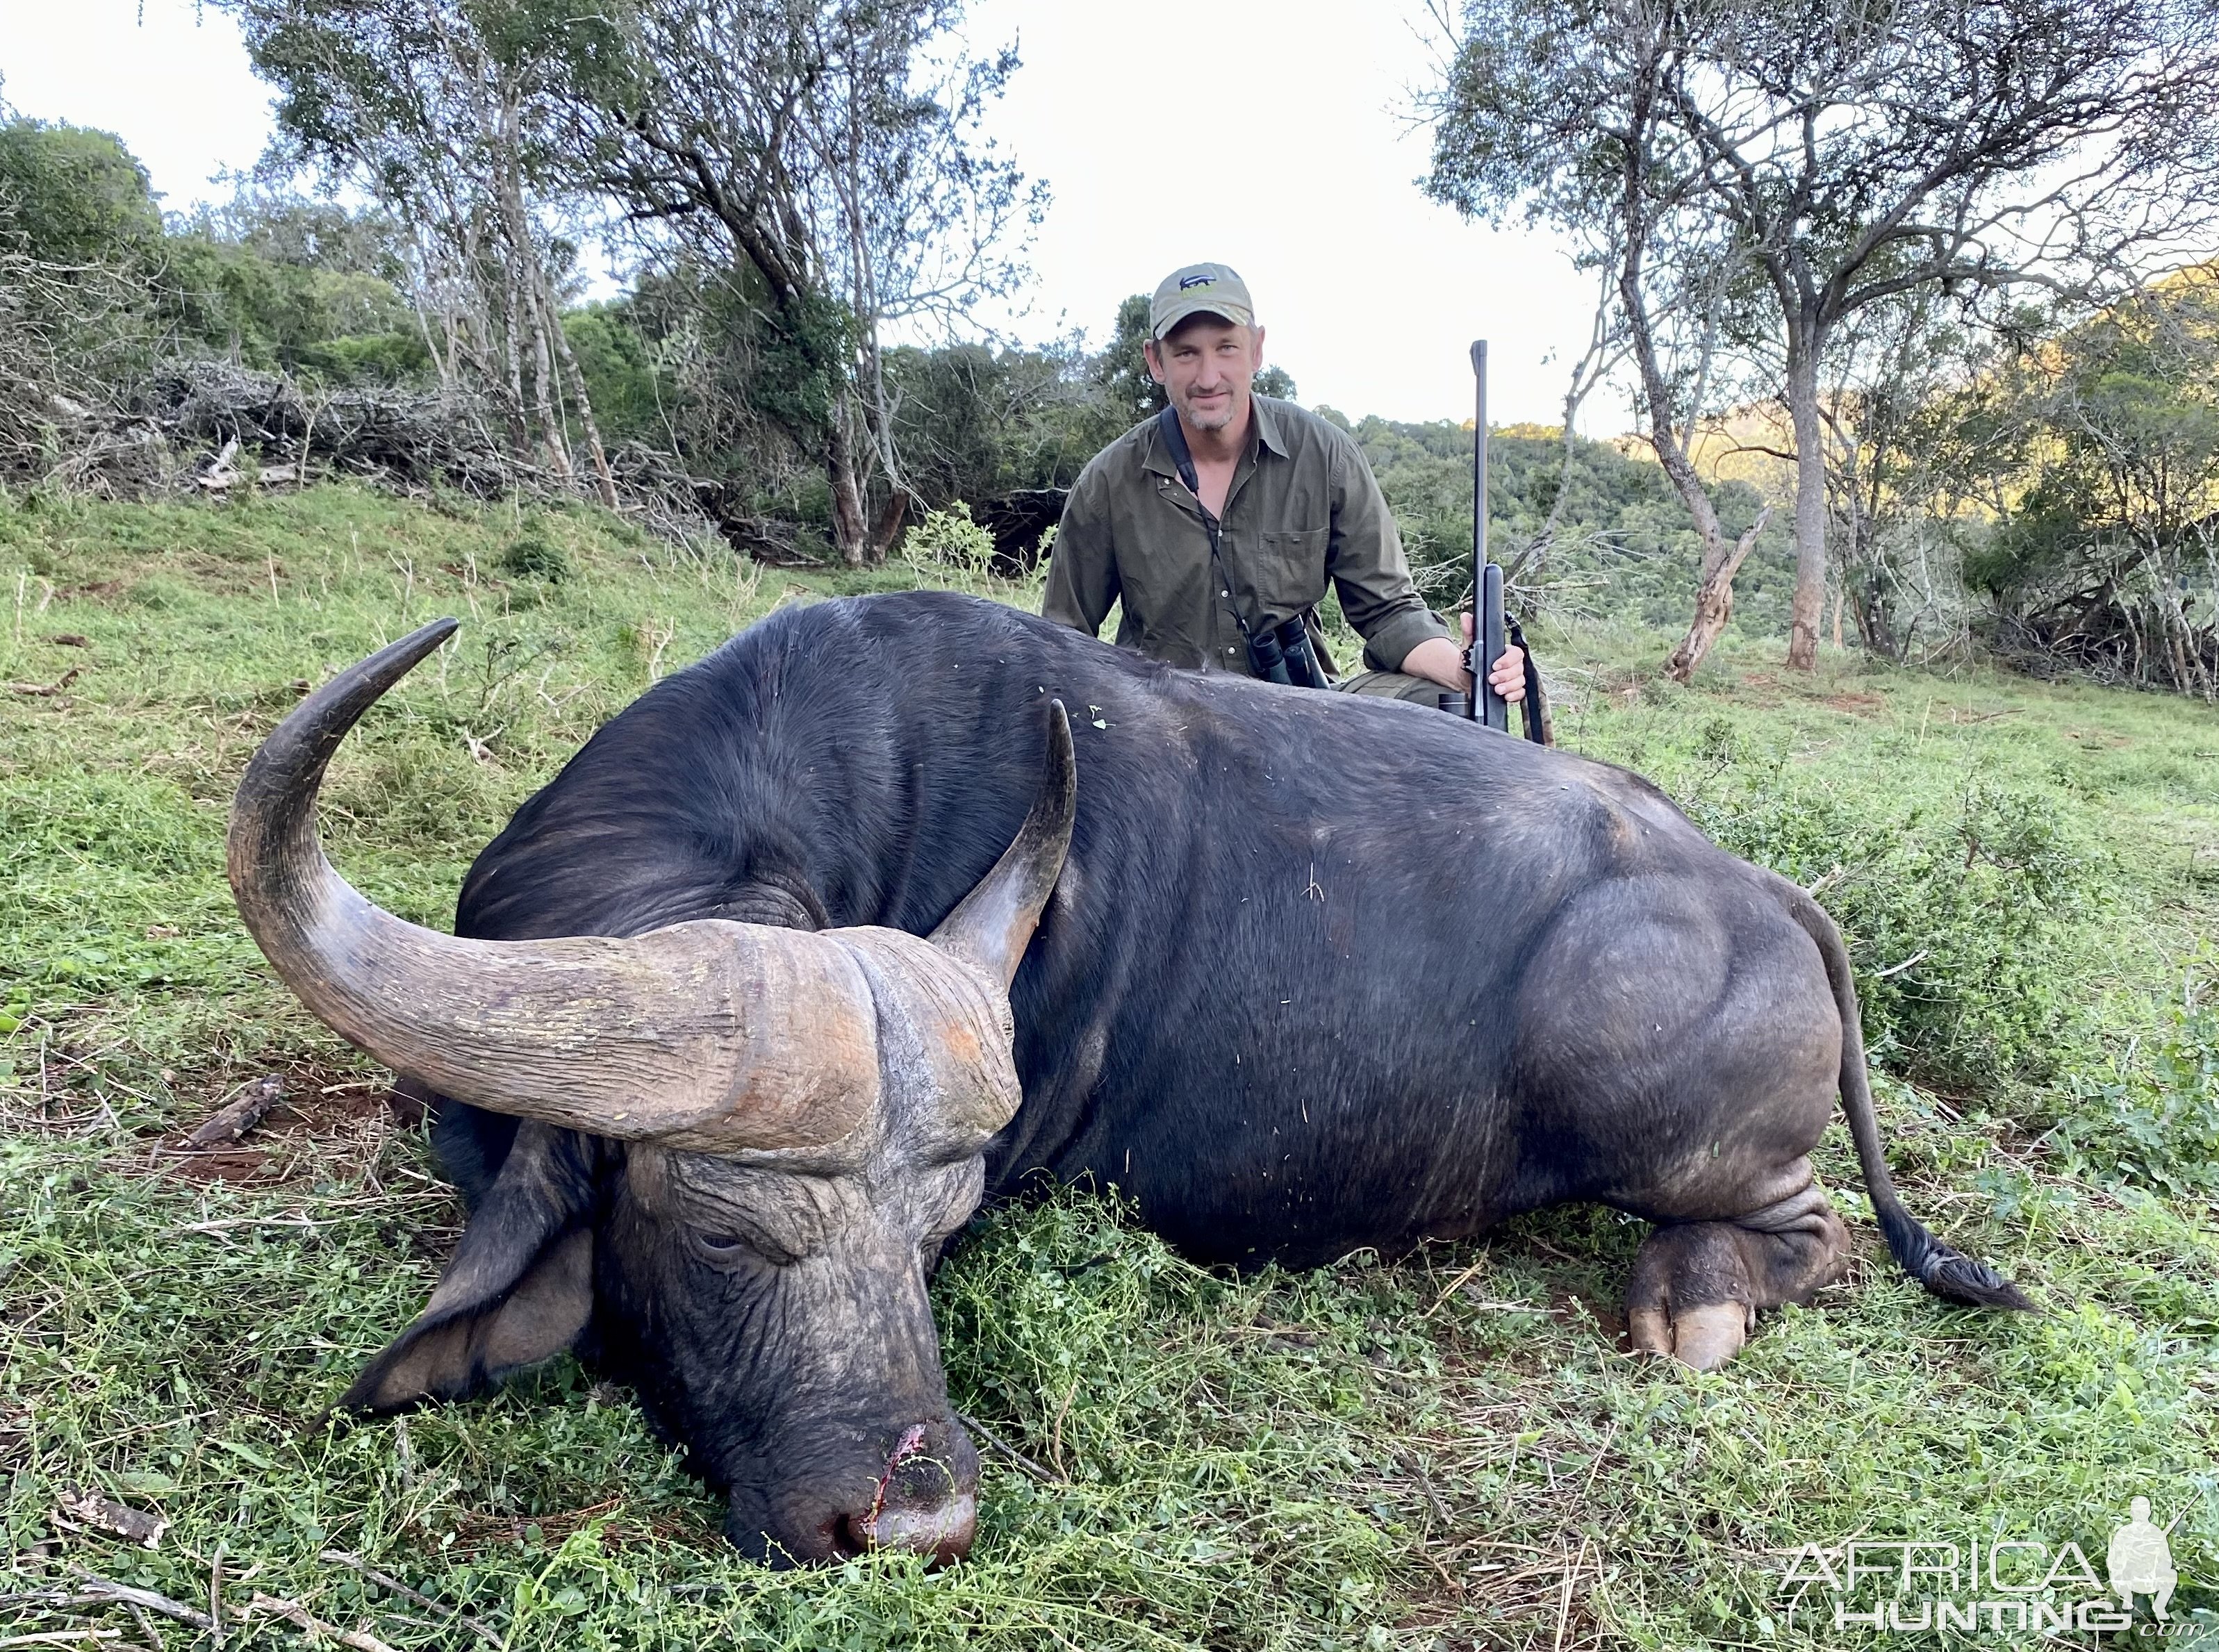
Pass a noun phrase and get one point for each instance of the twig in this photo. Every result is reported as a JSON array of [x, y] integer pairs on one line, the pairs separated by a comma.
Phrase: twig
[[1832, 874], [62, 1637], [215, 1600], [227, 1223], [1008, 1450], [100, 1589], [1596, 1467], [78, 1509], [1411, 1467], [340, 1557], [1564, 1602], [47, 691], [1055, 1429], [294, 1612], [145, 1626], [1918, 957], [1444, 1573], [1452, 1287]]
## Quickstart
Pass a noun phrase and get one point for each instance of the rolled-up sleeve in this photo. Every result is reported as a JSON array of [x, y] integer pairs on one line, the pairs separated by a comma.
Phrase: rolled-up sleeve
[[1365, 556], [1082, 568]]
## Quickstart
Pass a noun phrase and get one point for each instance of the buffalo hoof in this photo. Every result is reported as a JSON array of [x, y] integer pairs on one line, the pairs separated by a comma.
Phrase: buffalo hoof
[[1705, 1338]]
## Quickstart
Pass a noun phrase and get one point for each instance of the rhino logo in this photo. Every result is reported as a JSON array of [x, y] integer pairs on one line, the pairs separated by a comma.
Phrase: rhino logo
[[2140, 1561]]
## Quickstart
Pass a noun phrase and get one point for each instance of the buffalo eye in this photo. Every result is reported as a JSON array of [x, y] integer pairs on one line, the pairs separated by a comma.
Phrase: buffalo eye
[[735, 1249]]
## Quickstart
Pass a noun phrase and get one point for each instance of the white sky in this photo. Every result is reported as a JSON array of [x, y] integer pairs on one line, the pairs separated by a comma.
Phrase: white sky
[[1274, 138]]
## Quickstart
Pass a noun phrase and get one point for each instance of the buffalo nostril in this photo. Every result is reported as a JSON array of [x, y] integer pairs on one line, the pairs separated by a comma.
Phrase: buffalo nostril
[[848, 1536]]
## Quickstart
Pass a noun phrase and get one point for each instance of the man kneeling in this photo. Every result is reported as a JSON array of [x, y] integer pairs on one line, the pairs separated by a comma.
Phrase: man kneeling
[[1224, 518]]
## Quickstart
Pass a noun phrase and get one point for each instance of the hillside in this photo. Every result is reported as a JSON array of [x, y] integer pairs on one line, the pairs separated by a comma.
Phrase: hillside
[[1625, 549], [1443, 1450]]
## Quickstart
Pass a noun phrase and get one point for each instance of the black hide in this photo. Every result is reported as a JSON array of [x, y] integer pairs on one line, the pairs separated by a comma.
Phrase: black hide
[[1322, 971]]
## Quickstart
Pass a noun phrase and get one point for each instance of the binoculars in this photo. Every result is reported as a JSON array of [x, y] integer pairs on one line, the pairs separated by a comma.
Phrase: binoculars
[[1283, 654]]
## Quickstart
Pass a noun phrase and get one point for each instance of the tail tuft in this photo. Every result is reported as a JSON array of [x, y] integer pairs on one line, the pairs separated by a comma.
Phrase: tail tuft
[[1949, 1274], [1958, 1278]]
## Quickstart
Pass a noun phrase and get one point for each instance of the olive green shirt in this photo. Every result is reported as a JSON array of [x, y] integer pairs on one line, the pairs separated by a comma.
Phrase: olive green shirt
[[1304, 510]]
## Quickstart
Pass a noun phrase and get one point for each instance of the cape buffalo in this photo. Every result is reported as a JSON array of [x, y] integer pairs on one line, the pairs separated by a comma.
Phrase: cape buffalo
[[1319, 972]]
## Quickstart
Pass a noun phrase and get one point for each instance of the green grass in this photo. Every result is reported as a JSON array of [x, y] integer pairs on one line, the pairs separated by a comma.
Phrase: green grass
[[1449, 1449]]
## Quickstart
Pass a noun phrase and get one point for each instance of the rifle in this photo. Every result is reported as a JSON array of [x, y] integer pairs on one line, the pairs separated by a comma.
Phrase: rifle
[[1489, 623]]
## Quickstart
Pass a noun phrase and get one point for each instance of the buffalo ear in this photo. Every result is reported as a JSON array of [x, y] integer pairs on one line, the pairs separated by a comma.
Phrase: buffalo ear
[[520, 1289]]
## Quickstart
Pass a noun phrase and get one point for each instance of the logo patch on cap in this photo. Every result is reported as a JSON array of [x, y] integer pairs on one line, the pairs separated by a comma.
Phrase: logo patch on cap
[[1186, 282]]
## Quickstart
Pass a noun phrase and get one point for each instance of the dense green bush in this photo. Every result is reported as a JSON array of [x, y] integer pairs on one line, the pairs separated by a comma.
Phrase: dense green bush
[[533, 555], [2149, 1112], [976, 422], [1964, 914], [333, 325], [949, 538], [1975, 918], [634, 398], [71, 195]]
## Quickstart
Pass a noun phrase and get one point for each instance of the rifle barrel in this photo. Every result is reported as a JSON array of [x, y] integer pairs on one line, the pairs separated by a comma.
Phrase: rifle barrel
[[1483, 704]]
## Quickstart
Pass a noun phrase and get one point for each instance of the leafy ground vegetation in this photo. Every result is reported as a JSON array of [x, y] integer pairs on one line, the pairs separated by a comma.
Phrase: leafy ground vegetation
[[1447, 1450]]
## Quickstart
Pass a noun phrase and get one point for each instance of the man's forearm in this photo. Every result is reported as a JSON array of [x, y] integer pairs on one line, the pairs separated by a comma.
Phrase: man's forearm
[[1438, 659]]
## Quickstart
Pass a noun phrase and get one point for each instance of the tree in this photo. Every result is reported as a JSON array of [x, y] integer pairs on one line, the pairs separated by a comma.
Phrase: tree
[[2102, 443], [304, 287], [433, 107], [1577, 126], [978, 423], [822, 158], [78, 235], [1892, 375], [1848, 155], [1122, 370], [71, 195]]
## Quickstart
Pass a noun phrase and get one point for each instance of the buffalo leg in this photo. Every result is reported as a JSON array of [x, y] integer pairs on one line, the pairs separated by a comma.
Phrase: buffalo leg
[[1697, 1285]]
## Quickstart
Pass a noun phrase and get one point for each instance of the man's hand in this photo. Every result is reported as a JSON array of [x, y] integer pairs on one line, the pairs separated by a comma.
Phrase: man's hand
[[1438, 659]]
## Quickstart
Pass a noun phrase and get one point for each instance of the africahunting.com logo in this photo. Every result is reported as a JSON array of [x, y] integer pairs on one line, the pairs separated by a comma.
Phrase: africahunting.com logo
[[2013, 1588]]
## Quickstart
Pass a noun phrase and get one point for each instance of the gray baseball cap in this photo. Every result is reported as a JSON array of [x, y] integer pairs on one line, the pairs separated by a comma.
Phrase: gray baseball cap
[[1201, 289]]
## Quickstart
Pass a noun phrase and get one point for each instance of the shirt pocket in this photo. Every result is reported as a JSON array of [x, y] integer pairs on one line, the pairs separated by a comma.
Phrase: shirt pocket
[[1291, 570]]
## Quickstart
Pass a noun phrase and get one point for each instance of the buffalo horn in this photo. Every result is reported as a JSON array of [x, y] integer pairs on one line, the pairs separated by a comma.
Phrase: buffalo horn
[[993, 925], [711, 1035]]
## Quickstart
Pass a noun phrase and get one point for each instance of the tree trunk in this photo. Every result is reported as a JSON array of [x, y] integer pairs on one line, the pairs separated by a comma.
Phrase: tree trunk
[[850, 533], [1668, 434], [1810, 601], [604, 478], [545, 391], [1713, 598], [1669, 439], [889, 526]]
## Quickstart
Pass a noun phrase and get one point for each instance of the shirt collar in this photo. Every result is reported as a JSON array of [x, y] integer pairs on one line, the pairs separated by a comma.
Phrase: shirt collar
[[1266, 426], [1264, 431]]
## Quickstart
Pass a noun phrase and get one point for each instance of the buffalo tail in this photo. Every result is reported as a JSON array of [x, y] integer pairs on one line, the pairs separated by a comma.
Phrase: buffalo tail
[[1947, 1273]]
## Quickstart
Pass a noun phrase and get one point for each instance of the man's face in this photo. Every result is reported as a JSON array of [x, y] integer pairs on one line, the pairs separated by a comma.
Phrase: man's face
[[1205, 366]]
